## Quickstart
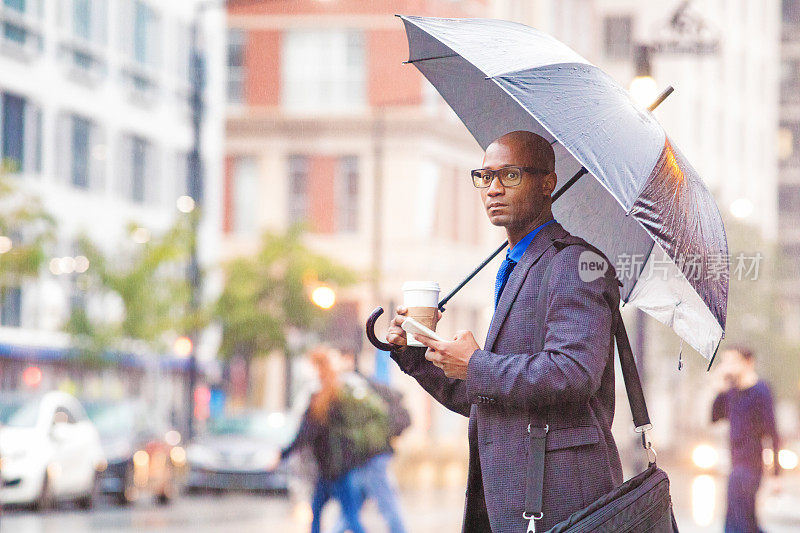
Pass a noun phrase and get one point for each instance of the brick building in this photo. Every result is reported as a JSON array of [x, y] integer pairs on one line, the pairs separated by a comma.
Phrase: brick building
[[326, 125]]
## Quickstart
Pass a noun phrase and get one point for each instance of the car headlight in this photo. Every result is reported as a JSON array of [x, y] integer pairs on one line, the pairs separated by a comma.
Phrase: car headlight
[[787, 459], [705, 456], [200, 455]]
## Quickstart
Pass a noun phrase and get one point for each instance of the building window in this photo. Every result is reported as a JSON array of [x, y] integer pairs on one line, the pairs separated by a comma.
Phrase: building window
[[298, 188], [788, 137], [617, 35], [323, 70], [81, 142], [20, 134], [182, 57], [236, 70], [138, 170], [791, 11], [244, 195], [181, 170], [790, 79], [20, 23], [82, 152], [789, 199], [84, 22], [141, 30], [13, 131], [11, 306], [347, 194], [144, 37], [82, 19], [791, 259], [11, 31]]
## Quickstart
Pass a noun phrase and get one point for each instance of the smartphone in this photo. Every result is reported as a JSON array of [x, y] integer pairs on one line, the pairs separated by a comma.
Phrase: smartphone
[[413, 326]]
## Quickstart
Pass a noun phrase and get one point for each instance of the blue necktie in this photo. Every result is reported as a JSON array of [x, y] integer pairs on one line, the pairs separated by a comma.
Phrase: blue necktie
[[502, 277]]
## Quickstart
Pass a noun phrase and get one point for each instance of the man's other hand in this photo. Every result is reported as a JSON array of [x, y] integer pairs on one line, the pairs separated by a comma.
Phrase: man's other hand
[[451, 356], [396, 334]]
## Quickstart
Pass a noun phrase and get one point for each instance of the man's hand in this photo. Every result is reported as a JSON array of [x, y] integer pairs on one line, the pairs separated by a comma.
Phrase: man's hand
[[396, 334], [451, 356]]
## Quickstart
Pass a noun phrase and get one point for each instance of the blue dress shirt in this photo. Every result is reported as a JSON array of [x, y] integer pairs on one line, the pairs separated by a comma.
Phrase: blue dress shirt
[[514, 256]]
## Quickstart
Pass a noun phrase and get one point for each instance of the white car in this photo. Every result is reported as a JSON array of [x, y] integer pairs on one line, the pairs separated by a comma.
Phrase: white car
[[49, 451]]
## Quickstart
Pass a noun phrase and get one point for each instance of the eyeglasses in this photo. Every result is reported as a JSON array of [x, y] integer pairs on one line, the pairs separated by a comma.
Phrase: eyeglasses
[[509, 176]]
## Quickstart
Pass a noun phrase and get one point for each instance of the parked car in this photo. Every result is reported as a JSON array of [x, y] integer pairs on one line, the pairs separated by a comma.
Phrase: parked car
[[241, 453], [141, 450], [50, 451]]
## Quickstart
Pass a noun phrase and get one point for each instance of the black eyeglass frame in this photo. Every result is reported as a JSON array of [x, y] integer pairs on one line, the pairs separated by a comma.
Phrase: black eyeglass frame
[[476, 174]]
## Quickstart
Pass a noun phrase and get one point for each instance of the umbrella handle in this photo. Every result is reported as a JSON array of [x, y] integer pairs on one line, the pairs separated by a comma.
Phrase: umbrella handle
[[371, 331]]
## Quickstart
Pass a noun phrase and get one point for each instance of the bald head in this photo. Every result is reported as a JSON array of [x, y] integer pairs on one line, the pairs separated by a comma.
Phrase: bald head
[[528, 148]]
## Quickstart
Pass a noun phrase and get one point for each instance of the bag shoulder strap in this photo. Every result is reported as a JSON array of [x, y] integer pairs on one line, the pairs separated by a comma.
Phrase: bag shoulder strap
[[630, 374]]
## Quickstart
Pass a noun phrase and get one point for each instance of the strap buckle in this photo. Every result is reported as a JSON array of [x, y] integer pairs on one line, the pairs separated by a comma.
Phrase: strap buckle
[[648, 448], [546, 428], [532, 518]]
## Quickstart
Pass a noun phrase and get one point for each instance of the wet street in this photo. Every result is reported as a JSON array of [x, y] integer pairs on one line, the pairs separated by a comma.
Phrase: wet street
[[427, 512], [699, 503]]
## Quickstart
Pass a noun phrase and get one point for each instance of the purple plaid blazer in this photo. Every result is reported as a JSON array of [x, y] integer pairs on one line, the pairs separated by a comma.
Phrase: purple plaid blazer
[[569, 385]]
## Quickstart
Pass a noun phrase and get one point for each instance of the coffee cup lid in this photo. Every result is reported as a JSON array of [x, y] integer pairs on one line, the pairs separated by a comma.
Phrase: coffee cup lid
[[421, 286]]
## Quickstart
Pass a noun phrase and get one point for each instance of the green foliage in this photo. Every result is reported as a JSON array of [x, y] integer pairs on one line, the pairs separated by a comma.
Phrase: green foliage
[[269, 292], [24, 220], [150, 282]]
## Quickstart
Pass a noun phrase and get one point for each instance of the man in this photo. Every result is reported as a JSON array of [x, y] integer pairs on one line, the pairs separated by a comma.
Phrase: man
[[569, 385], [746, 401]]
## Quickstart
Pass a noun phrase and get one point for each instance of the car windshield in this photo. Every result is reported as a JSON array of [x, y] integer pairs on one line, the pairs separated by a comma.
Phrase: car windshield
[[19, 413], [113, 418], [272, 427]]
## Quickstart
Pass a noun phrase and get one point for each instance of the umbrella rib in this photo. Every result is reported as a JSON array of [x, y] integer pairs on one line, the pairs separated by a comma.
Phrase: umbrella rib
[[428, 58]]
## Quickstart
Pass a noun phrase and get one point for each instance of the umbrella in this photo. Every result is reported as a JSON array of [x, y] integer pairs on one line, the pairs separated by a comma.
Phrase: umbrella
[[641, 203]]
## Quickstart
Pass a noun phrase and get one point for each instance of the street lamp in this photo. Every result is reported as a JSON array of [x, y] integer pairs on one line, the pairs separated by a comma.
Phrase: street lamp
[[741, 208], [183, 346], [323, 297], [643, 88]]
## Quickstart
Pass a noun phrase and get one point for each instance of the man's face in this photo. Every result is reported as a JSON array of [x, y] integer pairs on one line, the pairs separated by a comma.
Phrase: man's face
[[733, 365], [518, 206]]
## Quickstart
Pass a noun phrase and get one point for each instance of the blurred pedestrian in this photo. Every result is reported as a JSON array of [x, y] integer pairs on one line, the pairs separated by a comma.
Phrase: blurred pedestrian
[[746, 401], [372, 478], [334, 455]]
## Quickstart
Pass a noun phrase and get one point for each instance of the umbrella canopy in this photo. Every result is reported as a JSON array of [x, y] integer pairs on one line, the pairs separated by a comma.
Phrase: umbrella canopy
[[645, 207]]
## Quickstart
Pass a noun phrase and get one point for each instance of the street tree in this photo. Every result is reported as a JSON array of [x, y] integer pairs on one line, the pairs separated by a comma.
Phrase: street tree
[[26, 233], [267, 295], [137, 296]]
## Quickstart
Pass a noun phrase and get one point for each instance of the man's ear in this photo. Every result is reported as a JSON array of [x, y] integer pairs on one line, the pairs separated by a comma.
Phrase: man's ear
[[549, 184]]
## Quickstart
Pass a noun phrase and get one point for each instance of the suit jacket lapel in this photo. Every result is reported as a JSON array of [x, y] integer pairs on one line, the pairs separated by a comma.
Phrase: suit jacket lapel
[[541, 242]]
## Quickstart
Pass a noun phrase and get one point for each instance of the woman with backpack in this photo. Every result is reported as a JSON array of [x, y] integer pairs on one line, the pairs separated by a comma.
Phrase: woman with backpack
[[322, 428]]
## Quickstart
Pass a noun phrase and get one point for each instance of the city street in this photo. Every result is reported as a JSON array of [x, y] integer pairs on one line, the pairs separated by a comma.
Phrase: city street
[[428, 511]]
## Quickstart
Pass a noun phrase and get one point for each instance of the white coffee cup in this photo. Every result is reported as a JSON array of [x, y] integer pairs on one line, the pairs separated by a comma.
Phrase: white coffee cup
[[421, 298]]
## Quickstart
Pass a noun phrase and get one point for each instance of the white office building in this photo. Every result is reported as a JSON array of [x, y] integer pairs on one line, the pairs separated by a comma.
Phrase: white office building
[[95, 120]]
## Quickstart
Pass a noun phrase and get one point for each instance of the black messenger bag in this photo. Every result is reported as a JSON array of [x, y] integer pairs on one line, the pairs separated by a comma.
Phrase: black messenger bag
[[641, 504]]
